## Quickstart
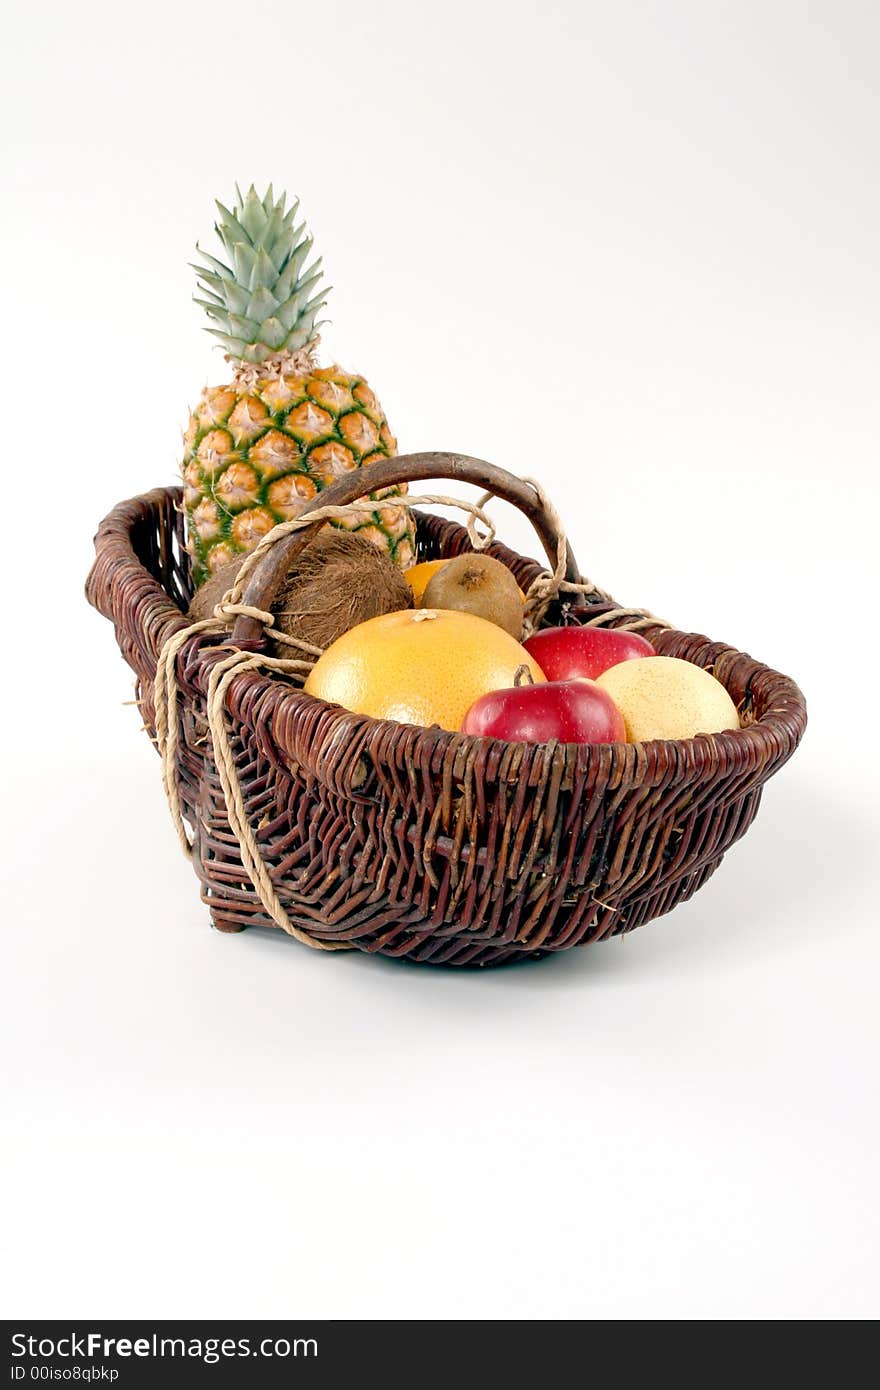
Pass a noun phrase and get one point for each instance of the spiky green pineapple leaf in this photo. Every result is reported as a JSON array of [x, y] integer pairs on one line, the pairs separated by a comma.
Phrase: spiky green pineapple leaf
[[219, 267], [234, 346], [244, 261], [246, 329], [261, 304], [225, 289], [290, 274], [254, 218], [211, 298], [273, 332], [214, 311], [265, 274], [262, 301]]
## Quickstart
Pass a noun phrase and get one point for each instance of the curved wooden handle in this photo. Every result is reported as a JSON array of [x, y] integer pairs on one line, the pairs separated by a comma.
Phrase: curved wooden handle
[[268, 576]]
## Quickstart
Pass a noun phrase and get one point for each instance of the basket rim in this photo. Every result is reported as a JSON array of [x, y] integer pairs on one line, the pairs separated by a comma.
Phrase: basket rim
[[770, 738], [705, 754]]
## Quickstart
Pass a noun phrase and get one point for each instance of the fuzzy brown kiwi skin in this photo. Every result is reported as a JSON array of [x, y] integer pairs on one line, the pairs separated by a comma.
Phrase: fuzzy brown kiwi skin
[[338, 581], [478, 584]]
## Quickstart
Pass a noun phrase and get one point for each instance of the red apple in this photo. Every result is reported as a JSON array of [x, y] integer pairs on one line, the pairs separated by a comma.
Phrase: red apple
[[575, 711], [564, 653]]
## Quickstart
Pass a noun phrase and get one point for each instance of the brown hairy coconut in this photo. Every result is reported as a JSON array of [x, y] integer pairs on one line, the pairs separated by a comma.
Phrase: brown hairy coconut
[[338, 581]]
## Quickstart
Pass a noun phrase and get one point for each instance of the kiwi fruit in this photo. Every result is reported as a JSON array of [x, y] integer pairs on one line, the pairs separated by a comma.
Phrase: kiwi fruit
[[338, 581], [477, 584]]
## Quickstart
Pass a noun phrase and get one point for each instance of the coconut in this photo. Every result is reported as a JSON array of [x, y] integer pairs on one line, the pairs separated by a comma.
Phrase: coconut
[[338, 581]]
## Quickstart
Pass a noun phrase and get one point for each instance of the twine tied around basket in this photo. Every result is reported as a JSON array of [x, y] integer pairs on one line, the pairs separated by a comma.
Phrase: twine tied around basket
[[544, 588]]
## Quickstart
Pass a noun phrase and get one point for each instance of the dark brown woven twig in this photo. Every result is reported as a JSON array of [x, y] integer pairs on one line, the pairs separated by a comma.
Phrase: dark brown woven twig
[[420, 843]]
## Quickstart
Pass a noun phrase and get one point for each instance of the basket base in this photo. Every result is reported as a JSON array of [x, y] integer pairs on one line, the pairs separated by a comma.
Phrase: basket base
[[224, 924], [402, 940]]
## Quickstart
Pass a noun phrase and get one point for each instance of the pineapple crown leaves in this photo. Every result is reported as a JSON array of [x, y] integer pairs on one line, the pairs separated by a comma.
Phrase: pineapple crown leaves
[[265, 301]]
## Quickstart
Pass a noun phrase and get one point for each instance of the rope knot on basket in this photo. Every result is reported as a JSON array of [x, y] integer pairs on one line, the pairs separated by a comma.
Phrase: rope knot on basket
[[226, 612]]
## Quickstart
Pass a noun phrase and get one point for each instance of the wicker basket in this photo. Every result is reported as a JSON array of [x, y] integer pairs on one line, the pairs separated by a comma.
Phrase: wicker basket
[[415, 842]]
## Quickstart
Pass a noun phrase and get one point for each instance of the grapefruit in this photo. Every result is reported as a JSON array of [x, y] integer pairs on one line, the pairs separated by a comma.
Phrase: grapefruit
[[420, 666]]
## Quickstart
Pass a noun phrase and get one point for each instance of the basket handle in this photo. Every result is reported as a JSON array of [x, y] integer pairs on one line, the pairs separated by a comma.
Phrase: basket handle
[[266, 580]]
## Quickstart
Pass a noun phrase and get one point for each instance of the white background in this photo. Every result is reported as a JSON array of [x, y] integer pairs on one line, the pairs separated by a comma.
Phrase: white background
[[632, 249]]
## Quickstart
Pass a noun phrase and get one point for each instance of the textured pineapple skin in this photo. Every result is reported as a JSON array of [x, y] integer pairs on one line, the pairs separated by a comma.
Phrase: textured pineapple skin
[[255, 457]]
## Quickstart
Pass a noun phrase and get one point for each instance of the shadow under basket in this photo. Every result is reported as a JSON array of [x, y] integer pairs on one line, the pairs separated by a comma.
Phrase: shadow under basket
[[429, 845]]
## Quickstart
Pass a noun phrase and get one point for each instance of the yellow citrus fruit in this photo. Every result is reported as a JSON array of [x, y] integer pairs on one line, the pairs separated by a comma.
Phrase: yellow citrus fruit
[[665, 697], [419, 577], [420, 666]]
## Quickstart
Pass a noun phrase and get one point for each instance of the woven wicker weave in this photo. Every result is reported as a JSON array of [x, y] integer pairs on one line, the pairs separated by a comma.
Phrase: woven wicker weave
[[430, 845]]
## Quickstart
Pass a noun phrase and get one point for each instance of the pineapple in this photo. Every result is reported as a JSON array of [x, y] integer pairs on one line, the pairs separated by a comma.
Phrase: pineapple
[[259, 448]]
